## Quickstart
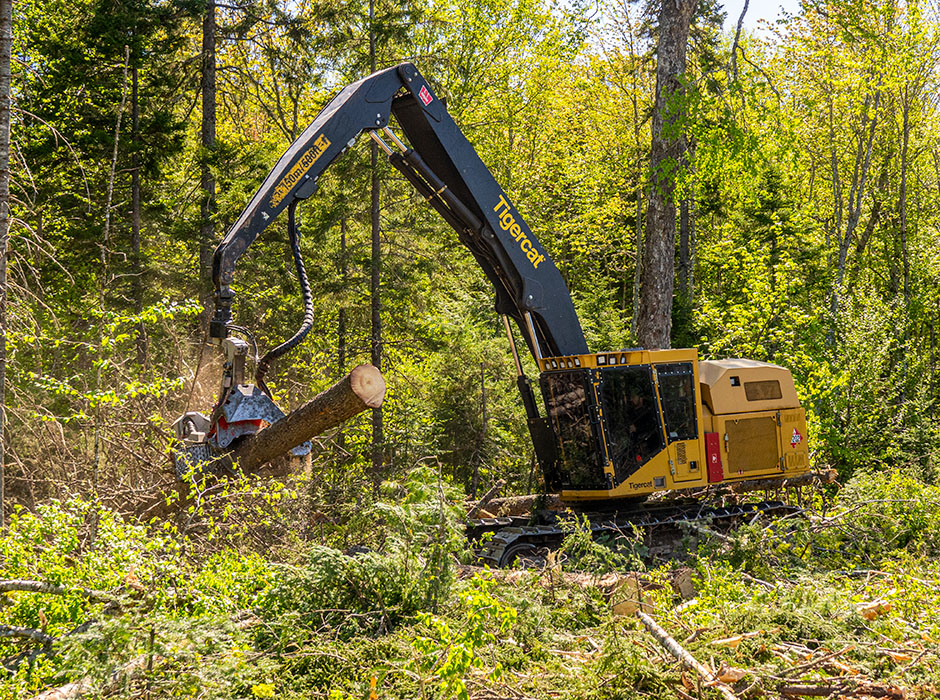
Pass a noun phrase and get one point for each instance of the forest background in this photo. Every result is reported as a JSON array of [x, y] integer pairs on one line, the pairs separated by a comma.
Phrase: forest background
[[806, 234], [806, 231]]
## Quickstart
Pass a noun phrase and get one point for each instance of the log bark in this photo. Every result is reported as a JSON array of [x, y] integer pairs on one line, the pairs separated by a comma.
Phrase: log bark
[[362, 388], [523, 505]]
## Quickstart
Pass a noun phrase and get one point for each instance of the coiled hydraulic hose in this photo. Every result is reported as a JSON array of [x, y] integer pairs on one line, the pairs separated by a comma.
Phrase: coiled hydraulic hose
[[264, 364]]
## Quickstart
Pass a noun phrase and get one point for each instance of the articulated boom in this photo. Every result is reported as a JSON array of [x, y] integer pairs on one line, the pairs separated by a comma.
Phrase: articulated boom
[[442, 166]]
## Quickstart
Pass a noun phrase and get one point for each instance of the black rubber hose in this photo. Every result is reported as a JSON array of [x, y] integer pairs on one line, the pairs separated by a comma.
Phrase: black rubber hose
[[264, 364]]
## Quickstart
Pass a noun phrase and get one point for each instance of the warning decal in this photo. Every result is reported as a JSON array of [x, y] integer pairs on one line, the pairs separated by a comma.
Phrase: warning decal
[[796, 438], [425, 95]]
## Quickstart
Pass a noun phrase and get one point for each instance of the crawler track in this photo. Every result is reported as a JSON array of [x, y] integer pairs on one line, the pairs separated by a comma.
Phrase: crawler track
[[515, 535]]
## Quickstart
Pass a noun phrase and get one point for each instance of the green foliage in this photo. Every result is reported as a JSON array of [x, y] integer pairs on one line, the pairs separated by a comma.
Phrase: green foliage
[[447, 656], [368, 591], [877, 518], [580, 551]]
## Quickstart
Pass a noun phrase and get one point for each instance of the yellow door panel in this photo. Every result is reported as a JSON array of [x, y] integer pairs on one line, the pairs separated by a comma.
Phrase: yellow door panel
[[750, 445]]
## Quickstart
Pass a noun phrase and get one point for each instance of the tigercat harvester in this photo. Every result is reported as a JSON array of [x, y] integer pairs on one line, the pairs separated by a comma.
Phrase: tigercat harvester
[[616, 425]]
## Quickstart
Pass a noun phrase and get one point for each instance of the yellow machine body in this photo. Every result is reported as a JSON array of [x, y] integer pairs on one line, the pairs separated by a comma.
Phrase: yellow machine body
[[635, 422]]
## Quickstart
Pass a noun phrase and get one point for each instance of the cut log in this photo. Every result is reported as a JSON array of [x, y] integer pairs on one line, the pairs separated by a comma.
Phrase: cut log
[[362, 388], [523, 505], [824, 477], [487, 497]]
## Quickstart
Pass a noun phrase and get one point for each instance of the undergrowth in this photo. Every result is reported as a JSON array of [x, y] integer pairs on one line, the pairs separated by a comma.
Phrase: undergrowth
[[149, 611]]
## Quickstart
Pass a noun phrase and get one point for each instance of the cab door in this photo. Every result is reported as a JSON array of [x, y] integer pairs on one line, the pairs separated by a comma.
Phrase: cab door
[[676, 383]]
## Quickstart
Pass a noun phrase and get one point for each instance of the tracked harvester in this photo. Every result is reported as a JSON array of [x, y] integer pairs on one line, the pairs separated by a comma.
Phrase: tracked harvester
[[616, 425]]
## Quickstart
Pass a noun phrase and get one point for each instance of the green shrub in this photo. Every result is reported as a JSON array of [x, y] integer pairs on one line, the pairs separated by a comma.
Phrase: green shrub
[[370, 591]]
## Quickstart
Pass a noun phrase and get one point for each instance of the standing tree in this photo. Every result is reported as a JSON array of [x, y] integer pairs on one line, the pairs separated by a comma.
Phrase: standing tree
[[6, 39], [207, 132], [375, 278], [654, 322]]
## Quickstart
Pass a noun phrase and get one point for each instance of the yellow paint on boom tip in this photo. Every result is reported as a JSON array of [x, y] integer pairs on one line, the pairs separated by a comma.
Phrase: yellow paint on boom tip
[[507, 222], [299, 170]]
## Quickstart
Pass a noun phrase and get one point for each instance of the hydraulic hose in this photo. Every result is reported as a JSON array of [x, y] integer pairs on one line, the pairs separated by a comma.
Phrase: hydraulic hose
[[264, 364]]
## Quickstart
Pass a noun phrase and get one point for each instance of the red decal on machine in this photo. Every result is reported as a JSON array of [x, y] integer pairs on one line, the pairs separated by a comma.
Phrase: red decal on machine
[[425, 95], [796, 438]]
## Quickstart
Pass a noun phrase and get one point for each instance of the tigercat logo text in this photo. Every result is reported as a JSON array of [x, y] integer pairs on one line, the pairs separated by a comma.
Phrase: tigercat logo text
[[299, 170], [642, 485], [507, 222]]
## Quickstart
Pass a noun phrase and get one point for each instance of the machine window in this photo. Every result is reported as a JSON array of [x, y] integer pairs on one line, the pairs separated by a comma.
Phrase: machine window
[[762, 391], [566, 401], [634, 429], [677, 392]]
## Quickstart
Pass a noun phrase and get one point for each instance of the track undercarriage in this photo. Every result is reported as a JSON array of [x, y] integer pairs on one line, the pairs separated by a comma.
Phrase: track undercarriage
[[516, 537]]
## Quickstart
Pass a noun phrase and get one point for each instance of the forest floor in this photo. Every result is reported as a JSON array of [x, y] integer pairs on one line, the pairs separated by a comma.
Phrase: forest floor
[[227, 601]]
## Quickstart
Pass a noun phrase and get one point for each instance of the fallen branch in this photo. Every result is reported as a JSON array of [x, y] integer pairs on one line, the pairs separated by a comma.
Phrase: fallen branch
[[810, 691], [812, 663], [40, 587], [687, 660], [86, 684], [863, 689], [12, 631]]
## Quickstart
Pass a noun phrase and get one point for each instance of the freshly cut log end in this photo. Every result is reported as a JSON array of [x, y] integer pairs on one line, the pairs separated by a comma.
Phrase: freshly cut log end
[[368, 384]]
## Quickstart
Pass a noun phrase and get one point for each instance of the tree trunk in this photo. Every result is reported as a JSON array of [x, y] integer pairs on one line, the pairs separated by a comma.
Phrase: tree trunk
[[378, 436], [137, 285], [902, 197], [207, 181], [654, 322], [362, 388], [6, 40], [687, 232], [341, 320]]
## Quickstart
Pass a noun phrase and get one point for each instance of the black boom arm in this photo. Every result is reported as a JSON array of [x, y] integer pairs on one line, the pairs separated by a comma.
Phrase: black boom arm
[[442, 166]]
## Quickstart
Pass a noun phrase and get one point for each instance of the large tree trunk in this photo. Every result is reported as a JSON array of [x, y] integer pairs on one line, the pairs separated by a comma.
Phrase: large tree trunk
[[6, 39], [687, 232], [654, 322], [207, 181], [362, 388], [378, 433]]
